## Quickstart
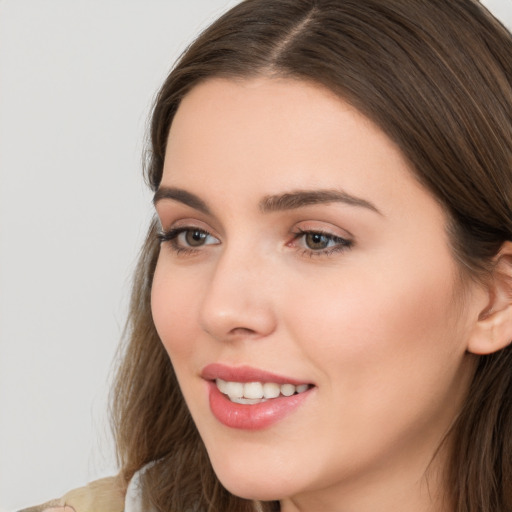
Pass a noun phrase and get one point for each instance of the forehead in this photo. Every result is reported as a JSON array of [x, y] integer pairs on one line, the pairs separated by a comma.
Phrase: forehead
[[267, 135]]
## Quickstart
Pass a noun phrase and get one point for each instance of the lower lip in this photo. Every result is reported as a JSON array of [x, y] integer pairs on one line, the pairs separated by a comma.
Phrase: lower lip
[[252, 416]]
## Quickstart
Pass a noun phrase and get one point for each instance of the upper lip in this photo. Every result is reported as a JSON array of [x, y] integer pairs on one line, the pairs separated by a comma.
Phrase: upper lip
[[245, 374]]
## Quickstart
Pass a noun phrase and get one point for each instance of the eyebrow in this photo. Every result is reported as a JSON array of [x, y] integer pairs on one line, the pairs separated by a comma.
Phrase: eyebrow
[[182, 196], [279, 202], [301, 198]]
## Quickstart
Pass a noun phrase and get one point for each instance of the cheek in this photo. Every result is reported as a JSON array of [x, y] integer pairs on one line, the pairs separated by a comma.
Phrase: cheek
[[174, 314], [382, 338], [391, 361], [359, 311]]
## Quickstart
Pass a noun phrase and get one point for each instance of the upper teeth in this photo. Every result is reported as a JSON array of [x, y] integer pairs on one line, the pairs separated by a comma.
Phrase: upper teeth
[[258, 390]]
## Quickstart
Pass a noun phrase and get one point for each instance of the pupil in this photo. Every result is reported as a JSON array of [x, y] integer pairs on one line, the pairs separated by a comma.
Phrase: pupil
[[316, 241], [195, 238]]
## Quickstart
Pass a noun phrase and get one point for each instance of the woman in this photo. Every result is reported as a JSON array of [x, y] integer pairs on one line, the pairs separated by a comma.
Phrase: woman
[[322, 311]]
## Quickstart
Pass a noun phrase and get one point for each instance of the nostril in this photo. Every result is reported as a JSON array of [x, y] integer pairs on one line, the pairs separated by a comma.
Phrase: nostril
[[242, 331]]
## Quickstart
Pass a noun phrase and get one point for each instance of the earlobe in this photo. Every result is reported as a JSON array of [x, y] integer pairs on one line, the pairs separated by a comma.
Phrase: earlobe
[[492, 333], [493, 330]]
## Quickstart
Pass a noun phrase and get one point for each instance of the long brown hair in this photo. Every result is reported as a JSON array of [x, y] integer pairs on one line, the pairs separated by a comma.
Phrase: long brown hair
[[436, 76]]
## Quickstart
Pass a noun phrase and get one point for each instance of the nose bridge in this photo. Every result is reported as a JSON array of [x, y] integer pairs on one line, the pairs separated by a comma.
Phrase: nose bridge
[[237, 298]]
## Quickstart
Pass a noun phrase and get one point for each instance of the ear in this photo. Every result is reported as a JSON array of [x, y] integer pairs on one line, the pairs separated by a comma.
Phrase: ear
[[493, 330]]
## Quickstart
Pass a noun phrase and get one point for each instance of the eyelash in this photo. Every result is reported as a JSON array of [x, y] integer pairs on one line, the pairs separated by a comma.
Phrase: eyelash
[[341, 244], [172, 234]]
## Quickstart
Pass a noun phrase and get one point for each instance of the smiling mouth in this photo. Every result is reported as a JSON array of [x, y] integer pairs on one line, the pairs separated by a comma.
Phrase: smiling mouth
[[250, 393]]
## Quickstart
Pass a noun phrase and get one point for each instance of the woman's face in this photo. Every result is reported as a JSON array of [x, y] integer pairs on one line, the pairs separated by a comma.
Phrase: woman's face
[[299, 255]]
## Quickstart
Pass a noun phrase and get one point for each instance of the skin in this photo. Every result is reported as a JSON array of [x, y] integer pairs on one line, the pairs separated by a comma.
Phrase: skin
[[377, 327]]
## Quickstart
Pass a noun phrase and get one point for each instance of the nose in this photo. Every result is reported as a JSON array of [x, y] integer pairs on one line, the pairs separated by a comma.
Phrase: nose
[[238, 302]]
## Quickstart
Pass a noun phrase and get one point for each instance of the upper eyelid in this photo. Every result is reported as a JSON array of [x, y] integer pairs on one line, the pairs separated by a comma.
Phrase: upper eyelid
[[295, 232], [186, 223], [325, 228], [322, 231], [332, 236], [182, 229], [165, 208], [169, 212]]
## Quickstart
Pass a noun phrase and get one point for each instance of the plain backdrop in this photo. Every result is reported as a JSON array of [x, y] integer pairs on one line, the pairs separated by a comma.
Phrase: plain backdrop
[[77, 78]]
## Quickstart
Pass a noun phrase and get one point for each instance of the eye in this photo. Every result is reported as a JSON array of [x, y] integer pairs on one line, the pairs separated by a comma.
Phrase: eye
[[187, 238], [317, 243], [194, 237]]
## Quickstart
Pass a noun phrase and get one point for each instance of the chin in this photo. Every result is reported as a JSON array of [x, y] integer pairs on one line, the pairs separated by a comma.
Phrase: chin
[[265, 481], [253, 488]]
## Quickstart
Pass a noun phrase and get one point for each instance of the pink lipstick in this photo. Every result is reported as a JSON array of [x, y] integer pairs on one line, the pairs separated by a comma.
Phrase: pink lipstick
[[252, 399]]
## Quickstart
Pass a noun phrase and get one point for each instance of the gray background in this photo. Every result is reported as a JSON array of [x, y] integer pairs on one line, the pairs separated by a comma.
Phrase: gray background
[[77, 78]]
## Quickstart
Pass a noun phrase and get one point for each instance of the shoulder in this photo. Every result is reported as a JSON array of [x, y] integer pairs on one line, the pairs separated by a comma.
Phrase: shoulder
[[105, 495]]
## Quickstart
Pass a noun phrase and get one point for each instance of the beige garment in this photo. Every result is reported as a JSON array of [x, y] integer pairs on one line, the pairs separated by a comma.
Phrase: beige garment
[[105, 495]]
